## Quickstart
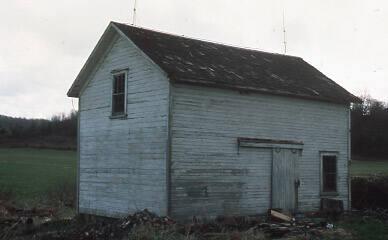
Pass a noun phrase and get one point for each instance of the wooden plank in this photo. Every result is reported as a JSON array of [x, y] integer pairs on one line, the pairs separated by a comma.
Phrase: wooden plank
[[283, 179], [280, 216]]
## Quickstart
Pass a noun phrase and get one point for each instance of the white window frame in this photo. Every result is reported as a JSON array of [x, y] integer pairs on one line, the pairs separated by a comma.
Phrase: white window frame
[[116, 73], [323, 154]]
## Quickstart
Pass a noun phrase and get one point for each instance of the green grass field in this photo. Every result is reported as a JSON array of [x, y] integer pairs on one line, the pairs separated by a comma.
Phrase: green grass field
[[366, 168], [31, 173]]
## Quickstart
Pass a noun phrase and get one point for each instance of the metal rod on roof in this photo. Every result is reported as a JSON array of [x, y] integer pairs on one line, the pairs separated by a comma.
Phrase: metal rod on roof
[[284, 36], [134, 13]]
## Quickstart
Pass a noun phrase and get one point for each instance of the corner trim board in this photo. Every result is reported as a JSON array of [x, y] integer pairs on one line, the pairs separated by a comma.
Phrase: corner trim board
[[169, 150], [349, 159], [78, 155]]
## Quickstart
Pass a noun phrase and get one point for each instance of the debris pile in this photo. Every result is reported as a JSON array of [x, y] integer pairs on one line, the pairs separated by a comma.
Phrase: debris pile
[[146, 217], [13, 220], [37, 224], [280, 224], [103, 228]]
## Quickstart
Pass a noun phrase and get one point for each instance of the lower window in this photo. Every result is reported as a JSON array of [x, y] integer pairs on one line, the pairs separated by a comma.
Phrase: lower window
[[329, 173]]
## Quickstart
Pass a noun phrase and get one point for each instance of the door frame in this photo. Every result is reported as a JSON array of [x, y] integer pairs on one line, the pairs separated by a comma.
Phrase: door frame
[[272, 144], [296, 175]]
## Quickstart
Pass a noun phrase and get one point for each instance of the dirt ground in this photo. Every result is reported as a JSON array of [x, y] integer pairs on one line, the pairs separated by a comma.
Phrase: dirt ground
[[22, 224]]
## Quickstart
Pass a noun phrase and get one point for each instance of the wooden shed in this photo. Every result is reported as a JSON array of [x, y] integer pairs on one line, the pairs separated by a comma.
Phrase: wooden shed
[[186, 128]]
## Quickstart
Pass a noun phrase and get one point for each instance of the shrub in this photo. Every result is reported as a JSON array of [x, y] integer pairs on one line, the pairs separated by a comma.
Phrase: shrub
[[370, 192], [6, 194], [62, 195]]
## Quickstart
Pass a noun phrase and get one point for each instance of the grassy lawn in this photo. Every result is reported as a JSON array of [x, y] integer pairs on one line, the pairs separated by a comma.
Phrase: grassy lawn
[[366, 228], [365, 168], [30, 173]]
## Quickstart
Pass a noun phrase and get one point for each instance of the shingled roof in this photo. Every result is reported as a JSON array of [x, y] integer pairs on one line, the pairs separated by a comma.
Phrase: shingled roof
[[197, 62]]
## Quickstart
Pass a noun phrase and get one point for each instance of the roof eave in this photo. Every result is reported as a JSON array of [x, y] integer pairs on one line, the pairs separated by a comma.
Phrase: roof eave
[[355, 99], [197, 82]]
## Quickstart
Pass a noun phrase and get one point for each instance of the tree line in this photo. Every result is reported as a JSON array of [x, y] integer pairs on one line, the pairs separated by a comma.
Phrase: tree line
[[369, 130], [58, 132]]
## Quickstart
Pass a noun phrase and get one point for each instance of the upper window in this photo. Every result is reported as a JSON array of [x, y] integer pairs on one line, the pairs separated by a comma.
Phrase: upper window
[[329, 173], [119, 94]]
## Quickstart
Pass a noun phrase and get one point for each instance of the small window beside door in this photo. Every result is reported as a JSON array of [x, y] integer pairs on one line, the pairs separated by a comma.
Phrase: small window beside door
[[328, 173], [119, 95]]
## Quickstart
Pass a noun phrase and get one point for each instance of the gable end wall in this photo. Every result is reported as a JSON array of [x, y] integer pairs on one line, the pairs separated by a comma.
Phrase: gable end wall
[[123, 161]]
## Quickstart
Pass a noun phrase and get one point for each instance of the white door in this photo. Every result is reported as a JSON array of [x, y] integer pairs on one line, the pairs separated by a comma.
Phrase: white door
[[285, 180]]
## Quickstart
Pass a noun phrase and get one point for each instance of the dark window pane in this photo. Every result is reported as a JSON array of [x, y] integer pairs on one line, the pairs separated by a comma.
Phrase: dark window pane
[[118, 98], [329, 173], [330, 183], [119, 83], [329, 163], [118, 104]]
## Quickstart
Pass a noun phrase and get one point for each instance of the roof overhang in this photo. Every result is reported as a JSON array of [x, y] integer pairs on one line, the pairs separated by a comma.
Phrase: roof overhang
[[113, 31], [244, 89]]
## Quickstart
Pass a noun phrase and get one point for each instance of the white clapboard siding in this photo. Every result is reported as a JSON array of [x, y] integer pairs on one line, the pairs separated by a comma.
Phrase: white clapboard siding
[[123, 161], [210, 176]]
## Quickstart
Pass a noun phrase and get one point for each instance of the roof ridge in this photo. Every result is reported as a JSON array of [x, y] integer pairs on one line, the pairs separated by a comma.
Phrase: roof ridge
[[206, 63], [207, 40]]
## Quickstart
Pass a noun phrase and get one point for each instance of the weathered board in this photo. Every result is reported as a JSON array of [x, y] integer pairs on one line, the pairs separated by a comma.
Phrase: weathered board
[[211, 176], [284, 178]]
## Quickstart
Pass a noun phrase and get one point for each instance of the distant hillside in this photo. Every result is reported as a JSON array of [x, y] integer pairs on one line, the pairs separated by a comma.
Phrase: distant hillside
[[59, 132]]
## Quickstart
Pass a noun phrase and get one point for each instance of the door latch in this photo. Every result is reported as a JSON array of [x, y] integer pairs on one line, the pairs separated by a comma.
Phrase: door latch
[[297, 183]]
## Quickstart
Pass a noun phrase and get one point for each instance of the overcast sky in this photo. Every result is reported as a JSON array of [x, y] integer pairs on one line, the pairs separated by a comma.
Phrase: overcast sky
[[44, 43]]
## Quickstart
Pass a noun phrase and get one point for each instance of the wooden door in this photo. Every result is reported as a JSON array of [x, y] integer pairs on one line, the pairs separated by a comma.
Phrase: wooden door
[[285, 180]]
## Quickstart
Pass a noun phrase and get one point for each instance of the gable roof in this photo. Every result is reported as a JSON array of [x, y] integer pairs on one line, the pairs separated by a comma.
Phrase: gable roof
[[197, 62]]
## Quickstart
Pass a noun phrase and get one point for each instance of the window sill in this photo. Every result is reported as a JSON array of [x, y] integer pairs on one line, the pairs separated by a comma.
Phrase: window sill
[[329, 194], [121, 116]]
